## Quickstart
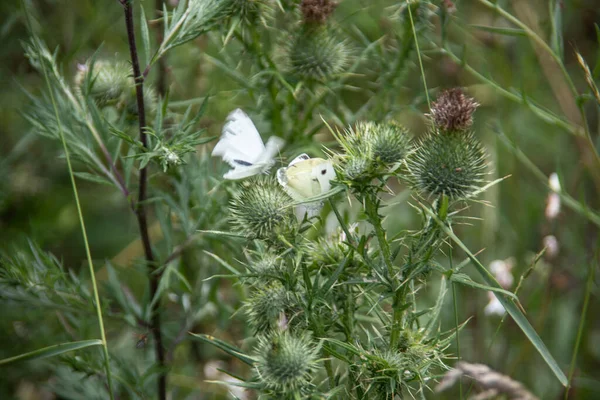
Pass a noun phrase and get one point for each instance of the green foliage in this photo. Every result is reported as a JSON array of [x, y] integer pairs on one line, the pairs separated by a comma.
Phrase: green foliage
[[348, 300]]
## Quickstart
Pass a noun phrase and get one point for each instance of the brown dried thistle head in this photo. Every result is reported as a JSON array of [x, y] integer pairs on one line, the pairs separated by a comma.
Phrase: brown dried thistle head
[[453, 110], [317, 11]]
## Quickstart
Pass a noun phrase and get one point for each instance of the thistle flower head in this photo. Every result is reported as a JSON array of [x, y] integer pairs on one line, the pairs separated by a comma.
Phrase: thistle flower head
[[285, 363], [453, 110], [451, 163], [315, 53], [261, 210], [317, 11]]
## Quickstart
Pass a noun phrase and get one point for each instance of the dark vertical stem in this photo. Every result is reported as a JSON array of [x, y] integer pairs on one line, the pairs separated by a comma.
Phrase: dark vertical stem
[[161, 83], [154, 275]]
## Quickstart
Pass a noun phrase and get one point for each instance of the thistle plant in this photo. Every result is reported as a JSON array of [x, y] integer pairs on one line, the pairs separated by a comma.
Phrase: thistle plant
[[347, 301]]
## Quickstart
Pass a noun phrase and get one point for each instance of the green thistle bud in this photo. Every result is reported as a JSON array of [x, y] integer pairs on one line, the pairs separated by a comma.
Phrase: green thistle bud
[[389, 142], [261, 210], [247, 11], [315, 53], [266, 263], [382, 374], [267, 305], [452, 163], [285, 363], [357, 169], [105, 82]]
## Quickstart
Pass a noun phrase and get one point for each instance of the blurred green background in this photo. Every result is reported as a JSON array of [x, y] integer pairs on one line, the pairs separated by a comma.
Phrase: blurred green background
[[36, 202]]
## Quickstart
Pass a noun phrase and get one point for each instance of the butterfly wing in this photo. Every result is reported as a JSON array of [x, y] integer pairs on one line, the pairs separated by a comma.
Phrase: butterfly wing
[[240, 143], [301, 184], [242, 147], [273, 147], [301, 157]]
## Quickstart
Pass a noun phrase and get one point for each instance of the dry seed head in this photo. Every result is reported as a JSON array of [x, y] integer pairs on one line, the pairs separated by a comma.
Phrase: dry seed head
[[317, 11], [453, 110]]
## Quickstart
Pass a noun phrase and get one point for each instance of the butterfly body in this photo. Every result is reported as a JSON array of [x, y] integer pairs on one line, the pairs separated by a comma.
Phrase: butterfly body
[[242, 147]]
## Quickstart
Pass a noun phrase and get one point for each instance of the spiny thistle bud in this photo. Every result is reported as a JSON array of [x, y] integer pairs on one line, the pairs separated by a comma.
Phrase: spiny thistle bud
[[261, 209], [315, 53], [382, 374], [266, 305], [372, 149], [247, 11], [266, 263], [285, 363], [453, 110], [107, 81], [451, 163], [317, 11], [389, 141], [112, 84]]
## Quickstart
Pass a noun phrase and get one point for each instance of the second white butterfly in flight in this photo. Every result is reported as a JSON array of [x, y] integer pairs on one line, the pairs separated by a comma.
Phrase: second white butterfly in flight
[[242, 147]]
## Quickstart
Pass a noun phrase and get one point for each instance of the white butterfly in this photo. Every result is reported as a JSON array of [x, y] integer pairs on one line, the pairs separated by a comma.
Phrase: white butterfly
[[306, 177], [242, 147]]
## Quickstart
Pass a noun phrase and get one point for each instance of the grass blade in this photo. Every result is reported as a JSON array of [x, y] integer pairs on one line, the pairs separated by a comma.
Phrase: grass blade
[[226, 347], [510, 307], [51, 351]]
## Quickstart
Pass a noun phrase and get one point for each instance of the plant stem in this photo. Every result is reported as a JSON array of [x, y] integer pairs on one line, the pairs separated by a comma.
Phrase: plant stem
[[412, 23], [79, 211], [154, 274], [586, 300]]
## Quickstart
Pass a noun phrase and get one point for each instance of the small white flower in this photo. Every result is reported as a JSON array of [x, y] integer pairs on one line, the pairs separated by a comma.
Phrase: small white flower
[[552, 206], [494, 307], [551, 245], [501, 270], [554, 183]]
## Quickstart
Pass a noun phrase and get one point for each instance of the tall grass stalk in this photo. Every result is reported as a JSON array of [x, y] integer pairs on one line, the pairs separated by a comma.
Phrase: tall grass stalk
[[78, 205], [586, 299]]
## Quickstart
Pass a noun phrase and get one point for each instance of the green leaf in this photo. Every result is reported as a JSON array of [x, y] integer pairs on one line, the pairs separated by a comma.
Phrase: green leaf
[[501, 31], [222, 262], [336, 274], [92, 178], [51, 351], [467, 281], [145, 34], [226, 347], [510, 307], [556, 35]]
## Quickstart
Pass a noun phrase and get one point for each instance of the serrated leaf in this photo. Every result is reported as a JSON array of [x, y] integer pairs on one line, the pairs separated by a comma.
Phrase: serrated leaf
[[51, 351], [509, 306]]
